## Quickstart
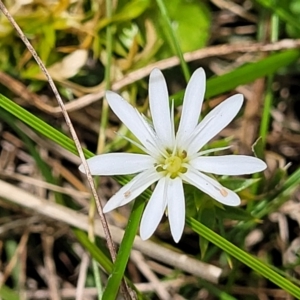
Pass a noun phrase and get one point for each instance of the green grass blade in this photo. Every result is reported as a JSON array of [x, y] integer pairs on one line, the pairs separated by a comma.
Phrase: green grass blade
[[40, 126], [111, 290], [199, 228], [213, 290], [94, 251], [276, 200], [250, 72], [42, 165], [215, 86], [173, 41], [99, 255], [282, 13], [244, 257], [244, 74]]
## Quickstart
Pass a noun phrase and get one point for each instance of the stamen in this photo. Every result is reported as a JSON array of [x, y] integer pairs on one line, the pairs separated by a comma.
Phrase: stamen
[[159, 169], [183, 170], [183, 154], [161, 151], [174, 151]]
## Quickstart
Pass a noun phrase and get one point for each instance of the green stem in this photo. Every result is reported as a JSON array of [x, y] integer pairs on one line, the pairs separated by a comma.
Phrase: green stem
[[173, 39], [120, 264], [102, 132], [107, 78], [97, 278], [264, 128]]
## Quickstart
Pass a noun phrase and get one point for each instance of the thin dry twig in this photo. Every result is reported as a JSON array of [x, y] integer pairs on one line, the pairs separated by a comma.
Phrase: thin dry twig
[[92, 292], [84, 265], [236, 9], [48, 144], [23, 268], [14, 259], [47, 242], [104, 223], [139, 260], [218, 50], [173, 284], [243, 291], [250, 121], [49, 186], [21, 90], [66, 215]]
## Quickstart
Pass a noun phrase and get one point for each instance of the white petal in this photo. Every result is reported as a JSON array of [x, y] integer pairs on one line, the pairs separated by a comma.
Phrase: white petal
[[132, 119], [211, 187], [154, 210], [214, 122], [118, 164], [192, 103], [132, 189], [172, 119], [229, 164], [159, 107], [176, 207]]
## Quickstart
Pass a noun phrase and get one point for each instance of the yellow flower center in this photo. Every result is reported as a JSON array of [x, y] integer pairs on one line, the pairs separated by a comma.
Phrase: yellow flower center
[[173, 164]]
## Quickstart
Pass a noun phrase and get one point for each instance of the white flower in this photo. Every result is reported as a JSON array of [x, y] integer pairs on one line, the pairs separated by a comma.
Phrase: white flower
[[172, 159]]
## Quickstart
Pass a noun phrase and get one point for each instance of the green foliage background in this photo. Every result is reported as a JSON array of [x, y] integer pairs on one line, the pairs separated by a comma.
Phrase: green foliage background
[[110, 42]]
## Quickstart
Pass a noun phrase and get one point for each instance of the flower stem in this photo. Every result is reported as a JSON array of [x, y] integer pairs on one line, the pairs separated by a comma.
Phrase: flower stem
[[172, 39]]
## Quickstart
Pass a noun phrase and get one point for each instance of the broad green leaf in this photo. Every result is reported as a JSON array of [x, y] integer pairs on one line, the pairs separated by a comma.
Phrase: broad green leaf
[[206, 216], [49, 38], [258, 148], [190, 204], [191, 20], [278, 177], [131, 10], [294, 6], [234, 213], [238, 184]]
